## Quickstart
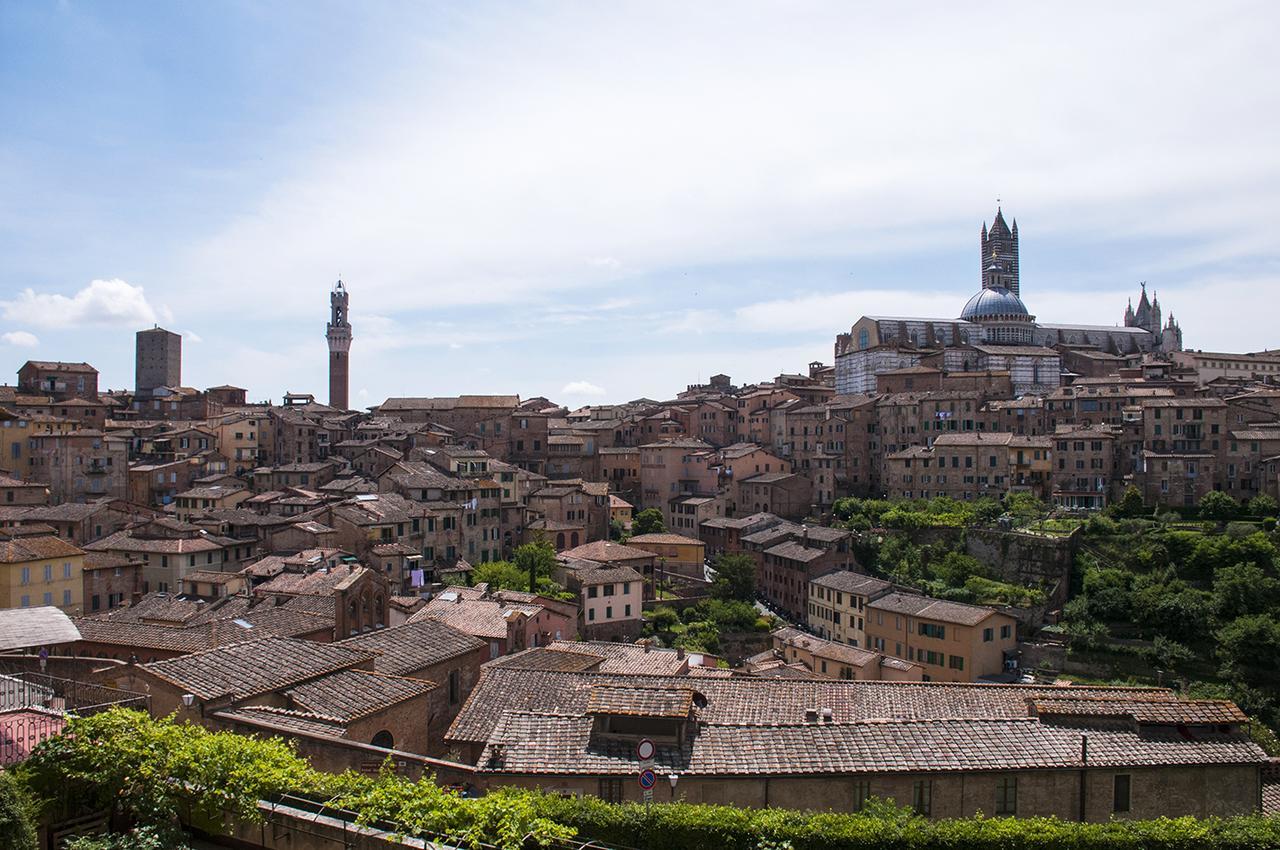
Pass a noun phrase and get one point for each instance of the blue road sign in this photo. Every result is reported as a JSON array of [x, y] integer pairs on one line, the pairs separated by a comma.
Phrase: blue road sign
[[648, 779]]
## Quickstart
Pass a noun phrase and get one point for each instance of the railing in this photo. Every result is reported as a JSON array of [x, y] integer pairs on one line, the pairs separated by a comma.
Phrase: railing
[[35, 706], [29, 690]]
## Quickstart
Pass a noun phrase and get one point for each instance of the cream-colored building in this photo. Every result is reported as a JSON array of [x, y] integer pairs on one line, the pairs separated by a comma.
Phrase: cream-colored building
[[240, 438], [675, 552], [40, 570], [953, 641], [837, 605]]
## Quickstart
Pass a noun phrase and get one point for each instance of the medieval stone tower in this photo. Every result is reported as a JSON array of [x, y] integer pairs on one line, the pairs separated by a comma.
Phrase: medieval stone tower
[[1000, 255], [338, 333]]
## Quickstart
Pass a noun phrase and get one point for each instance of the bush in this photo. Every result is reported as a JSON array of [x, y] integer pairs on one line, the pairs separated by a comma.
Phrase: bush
[[1130, 504], [16, 829], [884, 826], [1263, 505], [1218, 506]]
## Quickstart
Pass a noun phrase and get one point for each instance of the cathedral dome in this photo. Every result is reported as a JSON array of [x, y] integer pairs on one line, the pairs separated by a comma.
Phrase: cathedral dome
[[993, 303]]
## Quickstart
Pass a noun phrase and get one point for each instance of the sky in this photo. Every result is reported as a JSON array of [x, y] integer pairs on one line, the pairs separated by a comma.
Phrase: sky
[[601, 201]]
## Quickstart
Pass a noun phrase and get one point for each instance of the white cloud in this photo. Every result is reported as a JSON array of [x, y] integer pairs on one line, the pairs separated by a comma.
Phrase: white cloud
[[698, 138], [192, 336], [22, 339], [103, 302], [581, 388]]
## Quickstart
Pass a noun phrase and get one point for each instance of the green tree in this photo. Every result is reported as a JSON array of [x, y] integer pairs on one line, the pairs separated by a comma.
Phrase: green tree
[[500, 575], [536, 560], [1243, 589], [1263, 505], [1250, 642], [956, 568], [664, 619], [1218, 506], [735, 577], [648, 521], [986, 510], [1024, 506], [1130, 504], [1167, 655], [1086, 634], [1166, 605]]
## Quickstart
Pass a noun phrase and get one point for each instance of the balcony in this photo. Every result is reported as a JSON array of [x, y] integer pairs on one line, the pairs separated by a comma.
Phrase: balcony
[[34, 707]]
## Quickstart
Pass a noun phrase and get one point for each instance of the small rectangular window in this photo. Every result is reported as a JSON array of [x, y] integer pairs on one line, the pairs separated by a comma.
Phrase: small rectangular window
[[1007, 795], [1120, 793], [922, 797], [611, 790], [861, 793]]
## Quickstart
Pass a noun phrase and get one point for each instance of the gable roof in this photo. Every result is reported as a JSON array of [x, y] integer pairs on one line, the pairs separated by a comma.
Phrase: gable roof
[[254, 667], [411, 647]]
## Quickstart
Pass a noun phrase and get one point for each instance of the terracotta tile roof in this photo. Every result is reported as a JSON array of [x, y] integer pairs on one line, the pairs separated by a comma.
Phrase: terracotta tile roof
[[545, 658], [932, 609], [22, 549], [212, 577], [321, 582], [821, 648], [607, 575], [665, 537], [766, 703], [542, 738], [645, 702], [182, 627], [406, 649], [254, 667], [351, 694], [779, 670], [628, 658], [283, 718], [935, 745], [1154, 712], [107, 561], [124, 541], [848, 581], [483, 618], [606, 552], [710, 672], [793, 550]]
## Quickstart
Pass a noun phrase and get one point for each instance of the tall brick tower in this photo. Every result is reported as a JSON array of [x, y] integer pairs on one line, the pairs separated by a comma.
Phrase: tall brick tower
[[338, 333]]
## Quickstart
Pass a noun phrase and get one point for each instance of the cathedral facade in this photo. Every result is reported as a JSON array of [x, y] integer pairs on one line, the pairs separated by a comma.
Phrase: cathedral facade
[[994, 332]]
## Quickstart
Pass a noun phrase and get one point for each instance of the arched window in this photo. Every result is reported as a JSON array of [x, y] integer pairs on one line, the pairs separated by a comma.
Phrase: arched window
[[864, 339], [573, 539], [560, 540], [383, 739]]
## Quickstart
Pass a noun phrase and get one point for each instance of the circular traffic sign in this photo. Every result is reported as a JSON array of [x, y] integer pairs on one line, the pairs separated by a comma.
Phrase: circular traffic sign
[[645, 749], [648, 779]]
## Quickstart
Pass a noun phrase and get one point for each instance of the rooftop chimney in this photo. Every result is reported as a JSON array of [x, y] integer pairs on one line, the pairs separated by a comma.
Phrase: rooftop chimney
[[828, 716], [679, 652], [811, 715]]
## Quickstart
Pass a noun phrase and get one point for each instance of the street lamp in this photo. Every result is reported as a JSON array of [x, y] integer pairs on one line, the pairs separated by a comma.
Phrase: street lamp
[[673, 778]]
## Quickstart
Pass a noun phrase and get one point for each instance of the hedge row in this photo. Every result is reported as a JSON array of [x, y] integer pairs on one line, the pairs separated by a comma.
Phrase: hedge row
[[682, 826]]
